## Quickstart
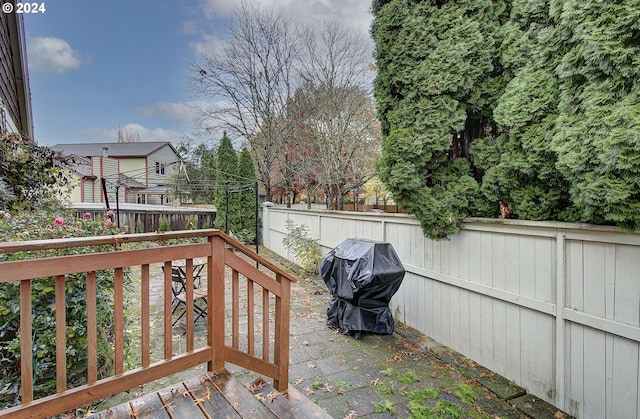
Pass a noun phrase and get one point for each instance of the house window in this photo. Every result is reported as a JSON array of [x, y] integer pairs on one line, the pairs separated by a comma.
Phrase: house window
[[160, 168]]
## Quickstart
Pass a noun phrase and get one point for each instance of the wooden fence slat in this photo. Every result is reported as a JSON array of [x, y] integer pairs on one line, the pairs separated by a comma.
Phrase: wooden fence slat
[[168, 326], [92, 329], [61, 336], [265, 324], [118, 306], [251, 327], [190, 302], [144, 290], [235, 309], [26, 342]]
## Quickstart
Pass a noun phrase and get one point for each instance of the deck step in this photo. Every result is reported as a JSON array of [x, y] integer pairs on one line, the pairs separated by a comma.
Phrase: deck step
[[218, 394], [293, 405]]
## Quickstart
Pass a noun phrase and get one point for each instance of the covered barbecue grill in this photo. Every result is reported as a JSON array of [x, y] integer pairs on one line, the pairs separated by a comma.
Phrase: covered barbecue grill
[[362, 276]]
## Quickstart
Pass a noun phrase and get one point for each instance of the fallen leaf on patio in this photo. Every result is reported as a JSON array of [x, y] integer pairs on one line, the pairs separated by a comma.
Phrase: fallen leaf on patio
[[352, 415]]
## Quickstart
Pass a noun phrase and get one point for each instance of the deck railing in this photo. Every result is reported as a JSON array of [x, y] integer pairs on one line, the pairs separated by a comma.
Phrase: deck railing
[[232, 335]]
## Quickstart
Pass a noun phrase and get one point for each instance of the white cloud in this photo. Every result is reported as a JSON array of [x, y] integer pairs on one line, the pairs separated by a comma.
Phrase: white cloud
[[354, 13], [180, 112], [145, 134], [48, 54]]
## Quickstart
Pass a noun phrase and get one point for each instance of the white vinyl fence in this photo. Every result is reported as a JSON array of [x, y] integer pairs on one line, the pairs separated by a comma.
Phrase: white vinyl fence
[[555, 307]]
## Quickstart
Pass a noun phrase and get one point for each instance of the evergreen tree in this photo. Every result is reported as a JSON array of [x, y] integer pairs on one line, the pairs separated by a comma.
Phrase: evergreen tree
[[225, 186], [247, 174], [520, 164], [438, 78], [533, 104], [200, 167], [597, 132]]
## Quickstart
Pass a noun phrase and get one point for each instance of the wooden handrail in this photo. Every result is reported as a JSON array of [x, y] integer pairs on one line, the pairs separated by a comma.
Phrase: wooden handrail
[[272, 282]]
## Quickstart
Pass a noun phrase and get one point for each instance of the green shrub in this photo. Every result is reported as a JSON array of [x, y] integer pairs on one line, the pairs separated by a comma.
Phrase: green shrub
[[305, 249], [164, 225], [192, 223]]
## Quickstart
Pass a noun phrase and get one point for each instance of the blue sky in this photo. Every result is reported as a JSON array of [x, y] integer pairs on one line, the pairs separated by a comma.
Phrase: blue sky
[[97, 65]]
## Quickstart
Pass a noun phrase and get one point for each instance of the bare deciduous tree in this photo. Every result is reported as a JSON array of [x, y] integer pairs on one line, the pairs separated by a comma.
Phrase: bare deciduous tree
[[342, 133], [297, 96], [249, 81]]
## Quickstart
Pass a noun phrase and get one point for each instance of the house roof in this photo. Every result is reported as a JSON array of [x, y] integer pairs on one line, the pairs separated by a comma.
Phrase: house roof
[[115, 150]]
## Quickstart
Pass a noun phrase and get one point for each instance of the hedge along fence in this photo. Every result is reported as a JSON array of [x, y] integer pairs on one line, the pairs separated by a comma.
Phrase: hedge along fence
[[149, 217], [554, 307]]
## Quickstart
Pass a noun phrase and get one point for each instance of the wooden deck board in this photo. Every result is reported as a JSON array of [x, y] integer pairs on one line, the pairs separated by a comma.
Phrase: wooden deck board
[[208, 398], [177, 403], [214, 395], [295, 405], [148, 407], [238, 396], [120, 411]]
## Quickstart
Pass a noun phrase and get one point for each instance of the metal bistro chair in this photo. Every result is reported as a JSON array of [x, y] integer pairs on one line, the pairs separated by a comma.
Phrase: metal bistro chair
[[179, 291]]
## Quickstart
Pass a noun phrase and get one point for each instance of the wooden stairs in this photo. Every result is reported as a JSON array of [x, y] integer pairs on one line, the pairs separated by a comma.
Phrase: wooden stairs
[[217, 395]]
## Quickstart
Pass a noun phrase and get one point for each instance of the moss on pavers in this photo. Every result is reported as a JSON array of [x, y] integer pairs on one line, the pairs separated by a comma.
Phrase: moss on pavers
[[335, 406], [538, 409]]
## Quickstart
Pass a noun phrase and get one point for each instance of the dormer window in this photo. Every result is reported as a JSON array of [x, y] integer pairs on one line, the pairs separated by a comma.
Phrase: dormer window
[[160, 168]]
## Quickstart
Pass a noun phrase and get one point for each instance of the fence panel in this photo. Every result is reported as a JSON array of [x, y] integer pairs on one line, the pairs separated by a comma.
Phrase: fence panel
[[554, 307]]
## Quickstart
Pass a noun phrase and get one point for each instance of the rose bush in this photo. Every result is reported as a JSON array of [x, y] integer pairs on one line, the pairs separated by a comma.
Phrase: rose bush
[[44, 225]]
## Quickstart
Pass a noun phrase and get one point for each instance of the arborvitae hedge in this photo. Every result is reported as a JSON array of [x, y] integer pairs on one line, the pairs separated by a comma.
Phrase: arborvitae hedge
[[532, 107]]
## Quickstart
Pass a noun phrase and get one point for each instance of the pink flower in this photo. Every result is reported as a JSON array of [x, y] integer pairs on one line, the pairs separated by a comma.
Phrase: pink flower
[[59, 221], [110, 213], [7, 215], [86, 215], [108, 223]]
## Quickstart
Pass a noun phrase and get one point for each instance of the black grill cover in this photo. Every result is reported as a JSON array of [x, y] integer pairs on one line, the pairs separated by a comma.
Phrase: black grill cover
[[362, 276]]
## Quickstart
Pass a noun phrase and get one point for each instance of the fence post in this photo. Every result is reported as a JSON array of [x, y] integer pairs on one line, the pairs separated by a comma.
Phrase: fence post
[[561, 279]]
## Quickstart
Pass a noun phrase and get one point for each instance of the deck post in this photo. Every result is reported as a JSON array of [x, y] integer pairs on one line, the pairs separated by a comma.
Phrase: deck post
[[216, 302], [281, 353]]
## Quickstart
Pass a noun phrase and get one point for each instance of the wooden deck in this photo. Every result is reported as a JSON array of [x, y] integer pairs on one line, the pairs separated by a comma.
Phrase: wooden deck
[[217, 395], [247, 320]]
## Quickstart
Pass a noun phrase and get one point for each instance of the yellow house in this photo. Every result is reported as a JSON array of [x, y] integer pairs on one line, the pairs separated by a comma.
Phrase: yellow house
[[138, 172]]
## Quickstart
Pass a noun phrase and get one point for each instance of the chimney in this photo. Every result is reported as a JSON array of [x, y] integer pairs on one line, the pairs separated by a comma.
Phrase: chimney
[[105, 150]]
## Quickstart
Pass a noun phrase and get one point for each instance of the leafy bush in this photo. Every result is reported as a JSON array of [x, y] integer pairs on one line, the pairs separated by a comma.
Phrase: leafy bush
[[164, 225], [29, 226], [139, 227], [305, 249], [243, 236]]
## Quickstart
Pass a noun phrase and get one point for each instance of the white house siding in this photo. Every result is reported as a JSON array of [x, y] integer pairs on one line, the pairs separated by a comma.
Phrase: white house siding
[[554, 307], [165, 155]]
